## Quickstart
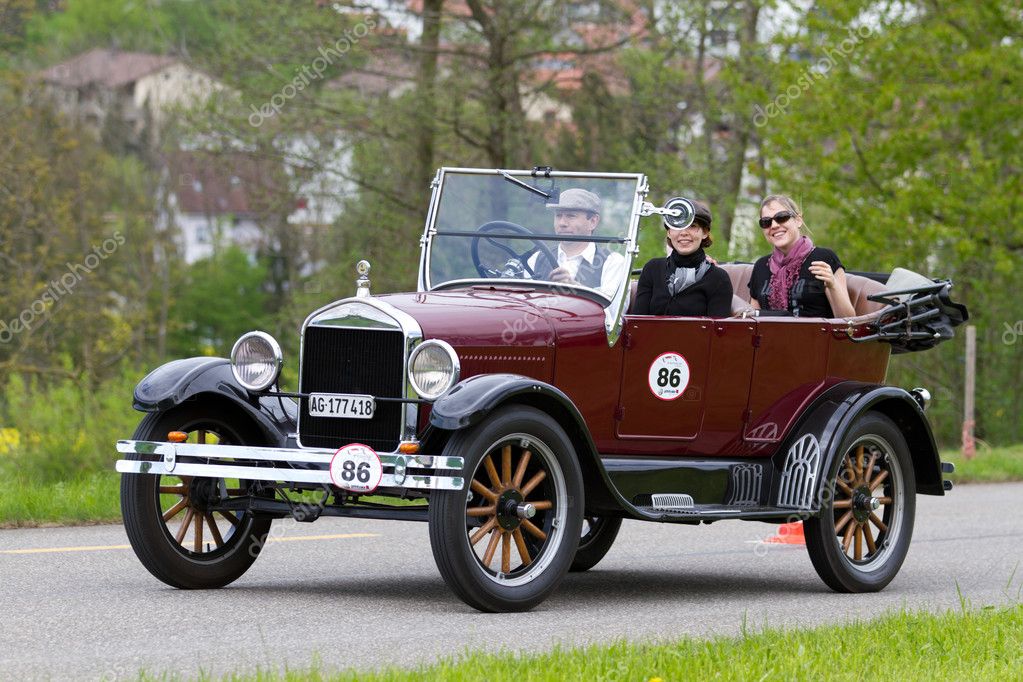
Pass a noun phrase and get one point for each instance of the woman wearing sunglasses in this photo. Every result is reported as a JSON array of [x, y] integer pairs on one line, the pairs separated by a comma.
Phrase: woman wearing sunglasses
[[685, 283], [797, 278]]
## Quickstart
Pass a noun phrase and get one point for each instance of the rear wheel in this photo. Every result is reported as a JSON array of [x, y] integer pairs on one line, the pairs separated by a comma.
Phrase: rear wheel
[[168, 519], [598, 534], [505, 542], [860, 539]]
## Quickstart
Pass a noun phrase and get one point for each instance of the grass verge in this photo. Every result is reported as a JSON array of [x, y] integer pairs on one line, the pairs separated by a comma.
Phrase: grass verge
[[92, 498], [975, 645], [990, 465]]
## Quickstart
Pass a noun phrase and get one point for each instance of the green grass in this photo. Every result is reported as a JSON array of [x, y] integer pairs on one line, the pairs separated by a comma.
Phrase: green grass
[[974, 645], [90, 499], [990, 465]]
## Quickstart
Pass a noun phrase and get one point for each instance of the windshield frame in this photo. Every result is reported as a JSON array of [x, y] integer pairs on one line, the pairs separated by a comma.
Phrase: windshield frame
[[614, 308]]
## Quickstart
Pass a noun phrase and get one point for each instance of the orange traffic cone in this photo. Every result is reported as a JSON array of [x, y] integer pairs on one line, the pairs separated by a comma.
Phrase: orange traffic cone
[[789, 534]]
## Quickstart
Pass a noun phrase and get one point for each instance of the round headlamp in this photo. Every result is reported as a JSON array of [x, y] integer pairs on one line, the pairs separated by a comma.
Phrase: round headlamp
[[433, 368], [256, 360]]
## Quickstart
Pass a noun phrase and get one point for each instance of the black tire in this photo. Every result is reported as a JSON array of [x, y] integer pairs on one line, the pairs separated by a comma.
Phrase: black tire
[[535, 553], [841, 542], [598, 535], [238, 537]]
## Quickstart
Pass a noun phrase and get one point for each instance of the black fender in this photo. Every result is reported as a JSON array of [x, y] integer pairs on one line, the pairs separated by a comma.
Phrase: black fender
[[472, 399], [830, 417], [178, 381]]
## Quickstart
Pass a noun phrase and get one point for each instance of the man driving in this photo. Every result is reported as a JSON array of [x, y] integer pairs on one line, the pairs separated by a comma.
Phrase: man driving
[[577, 214]]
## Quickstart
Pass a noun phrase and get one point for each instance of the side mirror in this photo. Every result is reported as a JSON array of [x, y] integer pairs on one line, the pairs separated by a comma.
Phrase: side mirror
[[679, 213]]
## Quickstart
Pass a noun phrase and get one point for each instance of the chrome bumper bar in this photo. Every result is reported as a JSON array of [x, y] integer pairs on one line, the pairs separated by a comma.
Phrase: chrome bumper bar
[[400, 471]]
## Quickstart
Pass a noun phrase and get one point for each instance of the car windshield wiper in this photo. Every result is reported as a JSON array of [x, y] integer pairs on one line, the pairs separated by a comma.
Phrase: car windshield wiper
[[512, 179]]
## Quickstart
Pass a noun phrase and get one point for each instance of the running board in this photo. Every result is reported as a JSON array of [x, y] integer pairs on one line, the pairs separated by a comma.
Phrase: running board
[[708, 513]]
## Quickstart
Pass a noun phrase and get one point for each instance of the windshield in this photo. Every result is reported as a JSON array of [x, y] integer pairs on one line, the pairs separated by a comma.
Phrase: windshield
[[569, 229]]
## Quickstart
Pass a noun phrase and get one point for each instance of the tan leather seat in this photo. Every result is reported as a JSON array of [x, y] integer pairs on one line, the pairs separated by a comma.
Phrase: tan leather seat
[[859, 287]]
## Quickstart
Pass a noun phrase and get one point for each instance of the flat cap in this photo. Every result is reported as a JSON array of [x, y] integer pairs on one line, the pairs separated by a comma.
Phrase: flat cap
[[577, 200]]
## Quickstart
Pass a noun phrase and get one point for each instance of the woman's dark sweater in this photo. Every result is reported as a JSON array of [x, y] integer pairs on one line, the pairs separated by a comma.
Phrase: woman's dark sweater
[[710, 297]]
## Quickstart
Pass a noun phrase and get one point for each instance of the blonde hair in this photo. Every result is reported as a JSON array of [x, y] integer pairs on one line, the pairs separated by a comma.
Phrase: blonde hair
[[789, 204], [784, 200]]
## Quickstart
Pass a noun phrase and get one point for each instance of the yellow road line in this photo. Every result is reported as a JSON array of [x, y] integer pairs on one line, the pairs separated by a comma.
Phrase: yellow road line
[[50, 550], [342, 536], [107, 548]]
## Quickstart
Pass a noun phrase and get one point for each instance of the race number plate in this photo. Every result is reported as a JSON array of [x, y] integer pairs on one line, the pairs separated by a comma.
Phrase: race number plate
[[357, 468], [341, 405], [668, 376]]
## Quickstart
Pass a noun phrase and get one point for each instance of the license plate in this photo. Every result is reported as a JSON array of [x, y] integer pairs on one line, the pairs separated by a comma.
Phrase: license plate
[[341, 405]]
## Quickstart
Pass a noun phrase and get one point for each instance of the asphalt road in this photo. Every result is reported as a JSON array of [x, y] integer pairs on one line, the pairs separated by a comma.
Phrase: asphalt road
[[77, 604]]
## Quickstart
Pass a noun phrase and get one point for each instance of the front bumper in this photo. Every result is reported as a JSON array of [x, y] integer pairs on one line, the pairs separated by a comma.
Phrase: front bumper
[[308, 465]]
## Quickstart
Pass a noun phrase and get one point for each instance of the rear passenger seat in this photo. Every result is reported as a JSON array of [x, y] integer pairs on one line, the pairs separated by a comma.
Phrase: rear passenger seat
[[860, 288]]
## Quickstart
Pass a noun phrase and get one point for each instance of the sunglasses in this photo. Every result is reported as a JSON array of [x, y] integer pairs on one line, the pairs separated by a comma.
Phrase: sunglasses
[[781, 217]]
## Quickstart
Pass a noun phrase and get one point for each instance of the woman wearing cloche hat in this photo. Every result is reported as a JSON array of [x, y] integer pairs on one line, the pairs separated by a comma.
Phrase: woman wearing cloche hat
[[685, 283]]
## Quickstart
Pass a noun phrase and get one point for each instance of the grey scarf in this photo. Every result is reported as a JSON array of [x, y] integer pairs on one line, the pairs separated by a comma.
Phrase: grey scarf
[[683, 278]]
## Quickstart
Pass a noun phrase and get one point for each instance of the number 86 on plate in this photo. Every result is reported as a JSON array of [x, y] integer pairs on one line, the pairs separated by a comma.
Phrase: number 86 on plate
[[357, 468]]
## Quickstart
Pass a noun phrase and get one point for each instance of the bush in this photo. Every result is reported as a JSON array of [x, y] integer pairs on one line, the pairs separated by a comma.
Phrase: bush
[[62, 430]]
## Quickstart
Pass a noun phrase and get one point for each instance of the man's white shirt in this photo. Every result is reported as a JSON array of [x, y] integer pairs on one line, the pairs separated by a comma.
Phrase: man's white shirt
[[611, 274]]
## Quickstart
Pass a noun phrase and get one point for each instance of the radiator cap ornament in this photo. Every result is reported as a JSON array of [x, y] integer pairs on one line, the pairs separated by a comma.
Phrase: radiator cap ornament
[[362, 283]]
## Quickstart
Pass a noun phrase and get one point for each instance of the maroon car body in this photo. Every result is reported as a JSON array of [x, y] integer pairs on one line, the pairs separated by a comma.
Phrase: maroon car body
[[533, 416]]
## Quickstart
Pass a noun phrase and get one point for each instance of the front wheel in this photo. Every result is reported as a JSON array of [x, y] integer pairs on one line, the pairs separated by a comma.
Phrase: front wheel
[[860, 539], [505, 542], [171, 521]]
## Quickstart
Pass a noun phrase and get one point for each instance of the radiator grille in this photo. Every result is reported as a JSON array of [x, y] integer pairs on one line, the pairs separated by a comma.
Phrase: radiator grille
[[367, 361]]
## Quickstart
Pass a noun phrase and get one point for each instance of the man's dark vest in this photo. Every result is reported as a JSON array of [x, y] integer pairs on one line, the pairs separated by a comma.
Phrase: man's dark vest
[[588, 274]]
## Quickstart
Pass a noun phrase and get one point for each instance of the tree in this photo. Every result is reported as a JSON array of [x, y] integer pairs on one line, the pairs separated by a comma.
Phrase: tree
[[75, 235], [899, 127]]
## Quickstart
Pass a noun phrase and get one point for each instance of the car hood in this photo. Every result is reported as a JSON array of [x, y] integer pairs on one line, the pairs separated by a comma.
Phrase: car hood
[[480, 316]]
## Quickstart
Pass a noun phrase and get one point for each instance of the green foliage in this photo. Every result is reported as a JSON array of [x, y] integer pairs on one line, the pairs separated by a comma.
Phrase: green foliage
[[79, 25], [63, 429], [902, 138], [75, 232], [218, 299]]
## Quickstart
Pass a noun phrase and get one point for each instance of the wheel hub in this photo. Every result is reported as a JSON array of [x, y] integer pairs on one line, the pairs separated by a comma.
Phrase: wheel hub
[[202, 492], [863, 503], [507, 509]]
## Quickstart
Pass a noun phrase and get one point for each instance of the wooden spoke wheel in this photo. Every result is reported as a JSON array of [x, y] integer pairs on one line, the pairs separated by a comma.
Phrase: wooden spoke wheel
[[861, 538], [598, 534], [173, 522], [185, 503], [505, 542], [514, 512]]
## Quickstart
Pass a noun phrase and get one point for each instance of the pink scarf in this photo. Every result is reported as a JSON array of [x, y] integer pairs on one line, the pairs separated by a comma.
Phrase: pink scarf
[[785, 271]]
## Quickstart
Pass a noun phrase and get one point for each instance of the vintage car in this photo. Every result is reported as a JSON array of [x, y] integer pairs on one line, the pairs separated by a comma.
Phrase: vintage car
[[524, 418]]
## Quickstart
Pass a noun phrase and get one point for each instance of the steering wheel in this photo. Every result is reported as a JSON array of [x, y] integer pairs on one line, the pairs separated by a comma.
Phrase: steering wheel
[[505, 226]]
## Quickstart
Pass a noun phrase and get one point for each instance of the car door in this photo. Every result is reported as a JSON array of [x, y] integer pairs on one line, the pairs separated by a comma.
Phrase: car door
[[664, 380], [790, 370]]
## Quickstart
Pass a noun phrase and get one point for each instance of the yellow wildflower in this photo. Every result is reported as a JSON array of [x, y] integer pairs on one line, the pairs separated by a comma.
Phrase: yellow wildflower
[[10, 440]]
